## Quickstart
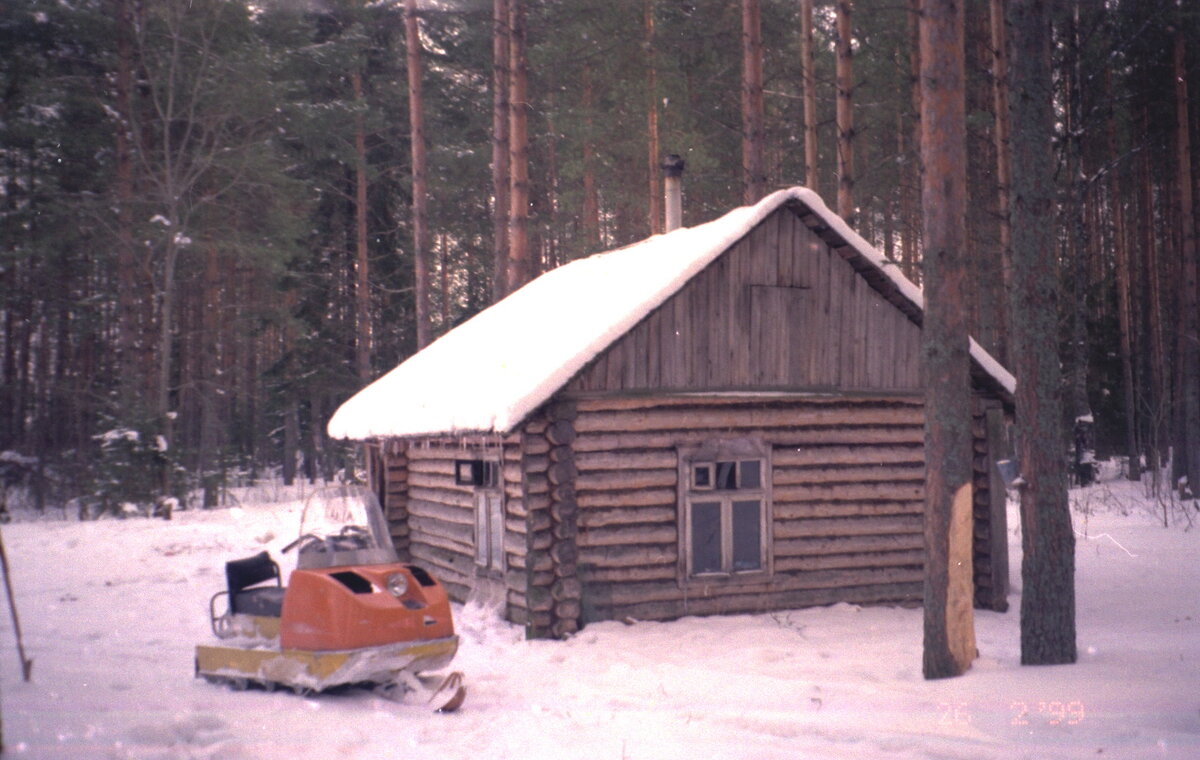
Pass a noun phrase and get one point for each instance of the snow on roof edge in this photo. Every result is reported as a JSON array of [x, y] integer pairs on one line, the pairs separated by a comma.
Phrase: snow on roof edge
[[438, 391]]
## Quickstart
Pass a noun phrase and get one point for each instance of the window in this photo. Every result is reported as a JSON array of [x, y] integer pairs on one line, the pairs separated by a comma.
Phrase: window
[[475, 472], [725, 511]]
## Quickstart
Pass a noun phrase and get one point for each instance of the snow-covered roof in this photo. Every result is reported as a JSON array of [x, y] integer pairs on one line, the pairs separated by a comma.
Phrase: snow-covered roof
[[489, 373]]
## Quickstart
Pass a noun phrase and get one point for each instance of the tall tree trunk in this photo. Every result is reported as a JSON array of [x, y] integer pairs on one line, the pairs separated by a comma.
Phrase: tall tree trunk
[[362, 292], [129, 326], [591, 198], [754, 176], [1189, 343], [1124, 291], [1000, 133], [845, 113], [1153, 308], [420, 190], [501, 178], [1048, 543], [914, 221], [810, 94], [653, 151], [444, 266], [519, 269], [1079, 242], [949, 644]]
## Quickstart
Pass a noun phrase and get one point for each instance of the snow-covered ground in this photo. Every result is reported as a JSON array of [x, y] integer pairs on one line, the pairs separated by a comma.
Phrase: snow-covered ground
[[111, 611]]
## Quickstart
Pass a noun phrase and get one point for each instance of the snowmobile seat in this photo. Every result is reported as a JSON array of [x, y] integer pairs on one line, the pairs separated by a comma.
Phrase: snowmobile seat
[[246, 596], [243, 574]]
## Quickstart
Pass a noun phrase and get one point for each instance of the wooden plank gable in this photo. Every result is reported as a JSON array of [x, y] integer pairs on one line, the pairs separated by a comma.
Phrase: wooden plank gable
[[780, 309]]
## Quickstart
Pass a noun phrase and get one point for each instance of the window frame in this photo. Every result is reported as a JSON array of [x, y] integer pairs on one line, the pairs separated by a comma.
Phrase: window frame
[[706, 456]]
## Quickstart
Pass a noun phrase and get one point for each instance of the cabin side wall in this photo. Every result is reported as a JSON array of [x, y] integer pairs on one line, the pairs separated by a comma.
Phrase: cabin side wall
[[441, 515], [846, 500]]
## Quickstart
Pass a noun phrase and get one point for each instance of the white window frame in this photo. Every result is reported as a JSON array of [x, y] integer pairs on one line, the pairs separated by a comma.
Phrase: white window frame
[[707, 456]]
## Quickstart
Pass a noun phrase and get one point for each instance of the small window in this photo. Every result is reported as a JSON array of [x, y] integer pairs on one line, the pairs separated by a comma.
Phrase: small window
[[475, 472], [724, 509]]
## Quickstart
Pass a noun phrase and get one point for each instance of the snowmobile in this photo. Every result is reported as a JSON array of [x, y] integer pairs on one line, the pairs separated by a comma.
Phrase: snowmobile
[[351, 613]]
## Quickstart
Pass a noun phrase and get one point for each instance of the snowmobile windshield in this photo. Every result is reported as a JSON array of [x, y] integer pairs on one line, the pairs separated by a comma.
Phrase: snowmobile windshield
[[343, 525]]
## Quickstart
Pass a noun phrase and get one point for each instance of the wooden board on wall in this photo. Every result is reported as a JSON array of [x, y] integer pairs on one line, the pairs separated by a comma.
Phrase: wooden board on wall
[[780, 309]]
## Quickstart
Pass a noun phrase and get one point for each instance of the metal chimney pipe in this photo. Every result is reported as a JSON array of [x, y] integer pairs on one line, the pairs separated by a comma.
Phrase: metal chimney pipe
[[672, 167]]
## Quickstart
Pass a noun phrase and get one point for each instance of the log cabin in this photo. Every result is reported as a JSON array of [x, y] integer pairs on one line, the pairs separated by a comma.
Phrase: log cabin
[[726, 418]]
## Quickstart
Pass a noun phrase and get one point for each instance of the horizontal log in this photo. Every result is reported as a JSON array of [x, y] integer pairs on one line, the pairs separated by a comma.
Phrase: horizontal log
[[512, 472], [849, 526], [445, 512], [816, 509], [645, 497], [599, 518], [624, 535], [567, 609], [783, 437], [738, 604], [627, 460], [632, 593], [785, 476], [753, 417], [847, 561], [417, 538], [463, 499], [627, 574], [561, 472], [431, 526], [565, 530], [847, 545], [431, 466], [628, 556], [851, 492], [627, 403], [442, 563], [624, 480], [564, 552], [566, 589], [561, 433], [535, 445]]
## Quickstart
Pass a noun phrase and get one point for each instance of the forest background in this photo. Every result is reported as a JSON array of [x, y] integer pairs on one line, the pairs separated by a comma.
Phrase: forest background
[[220, 218]]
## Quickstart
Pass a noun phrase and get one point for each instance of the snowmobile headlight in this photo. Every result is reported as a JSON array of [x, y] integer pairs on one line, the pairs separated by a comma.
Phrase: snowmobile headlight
[[397, 584]]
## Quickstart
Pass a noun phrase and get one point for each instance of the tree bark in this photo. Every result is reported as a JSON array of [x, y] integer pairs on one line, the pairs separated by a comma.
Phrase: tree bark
[[1001, 132], [519, 270], [501, 178], [754, 176], [810, 94], [1153, 307], [1189, 342], [1048, 561], [130, 340], [949, 641], [653, 151], [845, 113], [591, 198], [420, 191], [1124, 291], [362, 281]]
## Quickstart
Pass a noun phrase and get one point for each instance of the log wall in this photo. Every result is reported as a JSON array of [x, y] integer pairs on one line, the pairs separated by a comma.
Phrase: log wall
[[441, 515], [390, 461], [781, 309], [847, 496]]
